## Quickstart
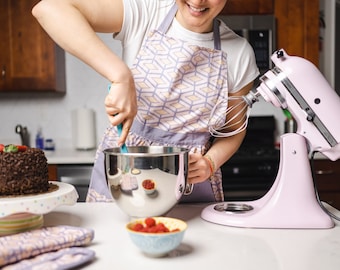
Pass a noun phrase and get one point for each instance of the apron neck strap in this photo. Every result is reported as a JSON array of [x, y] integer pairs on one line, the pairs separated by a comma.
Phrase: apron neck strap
[[217, 37], [164, 26]]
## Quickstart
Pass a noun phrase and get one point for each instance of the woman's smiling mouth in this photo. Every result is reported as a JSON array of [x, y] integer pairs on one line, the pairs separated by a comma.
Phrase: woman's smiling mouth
[[196, 9]]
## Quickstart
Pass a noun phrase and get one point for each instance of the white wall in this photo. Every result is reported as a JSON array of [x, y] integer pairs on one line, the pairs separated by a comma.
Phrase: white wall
[[85, 88]]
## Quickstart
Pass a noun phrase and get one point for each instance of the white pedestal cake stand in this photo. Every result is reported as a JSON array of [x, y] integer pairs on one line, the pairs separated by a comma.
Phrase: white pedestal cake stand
[[22, 213]]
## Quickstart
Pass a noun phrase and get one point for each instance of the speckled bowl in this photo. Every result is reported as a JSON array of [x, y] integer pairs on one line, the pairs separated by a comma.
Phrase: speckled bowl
[[158, 244]]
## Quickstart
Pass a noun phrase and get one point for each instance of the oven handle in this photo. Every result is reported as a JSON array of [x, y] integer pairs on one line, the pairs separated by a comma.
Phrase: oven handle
[[78, 181], [324, 172]]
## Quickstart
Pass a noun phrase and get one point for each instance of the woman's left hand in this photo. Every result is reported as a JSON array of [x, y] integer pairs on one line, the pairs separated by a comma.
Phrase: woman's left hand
[[199, 168]]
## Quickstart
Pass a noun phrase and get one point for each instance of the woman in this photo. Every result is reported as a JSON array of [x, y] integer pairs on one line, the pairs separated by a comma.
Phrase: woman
[[193, 65]]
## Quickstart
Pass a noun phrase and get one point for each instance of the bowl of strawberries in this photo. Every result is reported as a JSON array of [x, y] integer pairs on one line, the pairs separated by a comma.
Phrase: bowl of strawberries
[[156, 236], [149, 186]]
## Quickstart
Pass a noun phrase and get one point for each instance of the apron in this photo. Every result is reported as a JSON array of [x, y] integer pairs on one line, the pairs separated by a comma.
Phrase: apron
[[178, 87]]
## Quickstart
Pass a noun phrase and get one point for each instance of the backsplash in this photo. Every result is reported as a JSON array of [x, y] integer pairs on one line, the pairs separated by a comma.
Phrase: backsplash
[[85, 88]]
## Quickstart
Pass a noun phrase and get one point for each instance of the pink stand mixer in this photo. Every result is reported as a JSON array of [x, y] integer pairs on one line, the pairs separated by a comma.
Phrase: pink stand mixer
[[297, 85]]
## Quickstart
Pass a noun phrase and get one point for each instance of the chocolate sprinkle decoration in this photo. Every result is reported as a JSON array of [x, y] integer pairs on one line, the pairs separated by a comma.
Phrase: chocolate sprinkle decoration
[[23, 172]]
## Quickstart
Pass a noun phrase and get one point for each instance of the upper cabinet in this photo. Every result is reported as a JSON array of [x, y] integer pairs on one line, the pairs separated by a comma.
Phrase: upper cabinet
[[245, 7], [298, 27], [29, 59], [297, 23]]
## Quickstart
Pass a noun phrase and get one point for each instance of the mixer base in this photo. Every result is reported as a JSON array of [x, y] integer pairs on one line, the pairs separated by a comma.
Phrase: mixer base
[[291, 203]]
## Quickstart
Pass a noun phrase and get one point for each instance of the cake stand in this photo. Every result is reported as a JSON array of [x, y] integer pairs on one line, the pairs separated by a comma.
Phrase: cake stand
[[22, 213]]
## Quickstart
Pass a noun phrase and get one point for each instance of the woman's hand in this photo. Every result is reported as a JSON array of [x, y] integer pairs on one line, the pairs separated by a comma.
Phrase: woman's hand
[[199, 168], [121, 104]]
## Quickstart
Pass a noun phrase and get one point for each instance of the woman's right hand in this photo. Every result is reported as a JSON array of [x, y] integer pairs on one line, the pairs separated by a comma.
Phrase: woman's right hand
[[121, 103]]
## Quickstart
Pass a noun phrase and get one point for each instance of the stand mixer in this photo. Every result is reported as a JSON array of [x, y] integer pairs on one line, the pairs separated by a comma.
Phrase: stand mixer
[[296, 85]]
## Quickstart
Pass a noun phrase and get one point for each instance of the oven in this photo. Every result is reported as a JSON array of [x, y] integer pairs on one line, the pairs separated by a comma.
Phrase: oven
[[251, 172], [77, 175], [260, 32]]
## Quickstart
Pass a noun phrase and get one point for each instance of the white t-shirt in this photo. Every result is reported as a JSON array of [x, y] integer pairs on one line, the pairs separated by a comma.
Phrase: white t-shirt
[[143, 16]]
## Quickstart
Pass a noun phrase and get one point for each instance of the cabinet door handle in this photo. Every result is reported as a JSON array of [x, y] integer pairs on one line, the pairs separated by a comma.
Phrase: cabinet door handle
[[3, 72], [324, 172]]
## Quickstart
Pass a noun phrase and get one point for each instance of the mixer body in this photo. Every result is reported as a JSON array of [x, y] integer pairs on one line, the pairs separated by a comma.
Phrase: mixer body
[[296, 85]]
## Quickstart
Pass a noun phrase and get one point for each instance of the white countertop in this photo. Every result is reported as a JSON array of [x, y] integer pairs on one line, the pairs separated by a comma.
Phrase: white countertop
[[70, 156], [73, 156], [205, 245]]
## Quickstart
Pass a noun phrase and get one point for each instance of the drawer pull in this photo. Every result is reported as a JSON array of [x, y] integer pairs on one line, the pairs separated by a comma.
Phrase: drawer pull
[[322, 172]]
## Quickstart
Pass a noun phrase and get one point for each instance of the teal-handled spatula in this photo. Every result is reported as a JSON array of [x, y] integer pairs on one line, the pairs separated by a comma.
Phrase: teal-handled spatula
[[123, 148]]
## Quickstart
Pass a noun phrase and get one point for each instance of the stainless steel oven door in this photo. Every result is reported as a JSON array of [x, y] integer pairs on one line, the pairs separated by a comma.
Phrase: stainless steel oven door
[[76, 175]]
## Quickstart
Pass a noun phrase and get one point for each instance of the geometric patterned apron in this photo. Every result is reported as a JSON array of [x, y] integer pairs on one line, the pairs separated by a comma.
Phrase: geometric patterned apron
[[178, 87]]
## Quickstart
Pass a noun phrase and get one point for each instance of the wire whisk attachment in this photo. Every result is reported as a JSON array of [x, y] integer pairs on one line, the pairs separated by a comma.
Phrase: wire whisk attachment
[[237, 115]]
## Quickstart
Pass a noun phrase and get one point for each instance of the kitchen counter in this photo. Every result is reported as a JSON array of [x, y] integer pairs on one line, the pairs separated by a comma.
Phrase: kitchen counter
[[205, 245], [70, 156]]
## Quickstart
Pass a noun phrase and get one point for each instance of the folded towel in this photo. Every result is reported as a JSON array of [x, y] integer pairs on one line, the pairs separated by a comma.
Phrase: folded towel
[[62, 259], [14, 248]]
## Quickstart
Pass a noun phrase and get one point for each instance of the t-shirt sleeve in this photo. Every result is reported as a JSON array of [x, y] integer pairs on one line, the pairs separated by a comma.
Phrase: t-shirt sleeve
[[242, 68]]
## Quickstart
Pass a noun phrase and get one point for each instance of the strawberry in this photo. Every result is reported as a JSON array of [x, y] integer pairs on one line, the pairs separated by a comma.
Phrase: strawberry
[[2, 147], [152, 227], [161, 227], [22, 148], [150, 222], [138, 227]]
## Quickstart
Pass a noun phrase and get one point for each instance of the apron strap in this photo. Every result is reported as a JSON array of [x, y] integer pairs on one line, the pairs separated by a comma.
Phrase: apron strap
[[164, 26], [217, 37]]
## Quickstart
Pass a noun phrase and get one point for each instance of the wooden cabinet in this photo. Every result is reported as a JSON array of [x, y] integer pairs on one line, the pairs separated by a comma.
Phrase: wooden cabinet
[[243, 7], [298, 28], [297, 23], [52, 172], [327, 174], [29, 59]]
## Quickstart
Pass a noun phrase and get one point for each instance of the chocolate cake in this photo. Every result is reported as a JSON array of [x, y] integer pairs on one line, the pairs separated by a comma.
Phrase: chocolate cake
[[23, 172]]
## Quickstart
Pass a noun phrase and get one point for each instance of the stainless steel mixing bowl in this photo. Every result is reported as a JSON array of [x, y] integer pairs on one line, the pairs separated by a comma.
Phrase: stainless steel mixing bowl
[[148, 180]]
